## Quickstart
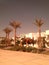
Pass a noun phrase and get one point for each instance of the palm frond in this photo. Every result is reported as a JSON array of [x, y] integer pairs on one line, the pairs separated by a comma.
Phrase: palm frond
[[15, 24]]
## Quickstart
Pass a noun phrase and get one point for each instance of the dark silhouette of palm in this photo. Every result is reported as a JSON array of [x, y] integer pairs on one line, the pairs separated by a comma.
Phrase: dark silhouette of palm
[[7, 30], [39, 23], [15, 25]]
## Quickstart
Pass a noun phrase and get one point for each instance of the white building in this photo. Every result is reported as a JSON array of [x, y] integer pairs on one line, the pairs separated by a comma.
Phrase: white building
[[35, 35]]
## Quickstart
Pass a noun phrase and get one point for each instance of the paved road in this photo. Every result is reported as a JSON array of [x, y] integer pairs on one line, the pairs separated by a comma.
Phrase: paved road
[[22, 58]]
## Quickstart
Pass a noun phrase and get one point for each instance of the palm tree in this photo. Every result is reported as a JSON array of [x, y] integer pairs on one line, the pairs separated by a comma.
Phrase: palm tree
[[7, 30], [39, 23], [15, 25]]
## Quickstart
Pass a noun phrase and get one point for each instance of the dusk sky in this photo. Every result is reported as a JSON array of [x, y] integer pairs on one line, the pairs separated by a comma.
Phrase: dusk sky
[[26, 12]]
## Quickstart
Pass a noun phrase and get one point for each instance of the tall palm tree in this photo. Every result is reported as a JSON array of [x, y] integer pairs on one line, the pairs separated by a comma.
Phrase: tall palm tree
[[7, 30], [39, 23], [15, 25]]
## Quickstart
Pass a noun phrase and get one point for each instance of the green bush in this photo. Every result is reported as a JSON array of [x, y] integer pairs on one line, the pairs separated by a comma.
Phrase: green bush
[[45, 52], [2, 47], [23, 49], [29, 49], [34, 50], [16, 48], [41, 50]]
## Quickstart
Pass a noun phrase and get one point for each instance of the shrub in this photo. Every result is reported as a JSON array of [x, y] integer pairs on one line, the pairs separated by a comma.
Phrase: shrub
[[41, 50], [29, 49], [34, 50], [23, 49], [2, 46]]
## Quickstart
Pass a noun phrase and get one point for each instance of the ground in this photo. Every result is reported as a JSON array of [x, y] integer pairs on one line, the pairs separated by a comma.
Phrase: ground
[[22, 58]]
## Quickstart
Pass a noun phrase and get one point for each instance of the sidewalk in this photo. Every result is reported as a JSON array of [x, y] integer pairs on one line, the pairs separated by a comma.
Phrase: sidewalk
[[22, 58]]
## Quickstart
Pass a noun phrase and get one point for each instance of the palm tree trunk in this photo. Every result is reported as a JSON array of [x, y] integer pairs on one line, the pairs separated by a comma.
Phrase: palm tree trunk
[[8, 39], [6, 35], [15, 36], [39, 39], [39, 32]]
